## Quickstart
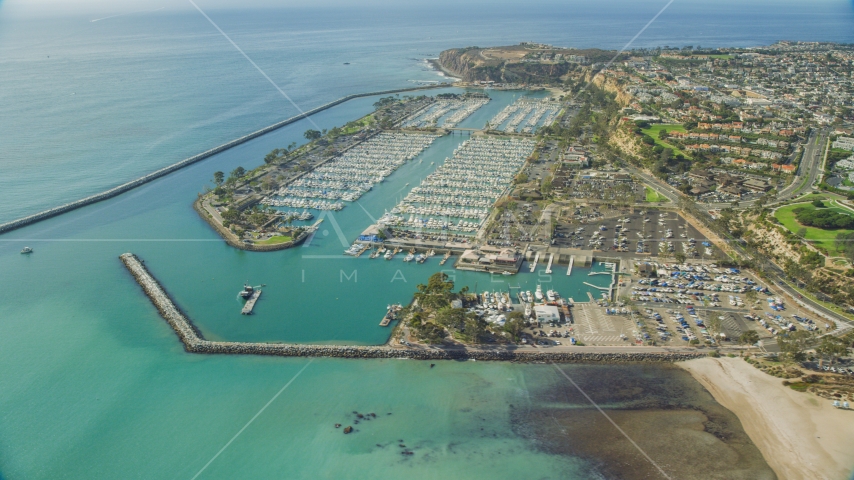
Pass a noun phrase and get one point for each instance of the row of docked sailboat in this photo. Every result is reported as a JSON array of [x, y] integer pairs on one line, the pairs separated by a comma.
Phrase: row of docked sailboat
[[459, 110], [461, 225], [526, 108], [304, 203], [352, 174], [465, 187]]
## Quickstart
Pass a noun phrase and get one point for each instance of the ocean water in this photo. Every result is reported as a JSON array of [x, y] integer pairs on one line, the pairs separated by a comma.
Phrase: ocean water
[[88, 105], [95, 385]]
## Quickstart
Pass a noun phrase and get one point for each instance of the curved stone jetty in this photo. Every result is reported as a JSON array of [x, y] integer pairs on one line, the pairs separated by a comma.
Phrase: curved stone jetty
[[195, 343], [52, 212]]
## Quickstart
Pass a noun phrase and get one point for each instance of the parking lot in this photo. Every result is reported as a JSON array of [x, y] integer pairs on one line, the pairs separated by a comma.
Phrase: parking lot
[[738, 299], [619, 188], [659, 233], [594, 326]]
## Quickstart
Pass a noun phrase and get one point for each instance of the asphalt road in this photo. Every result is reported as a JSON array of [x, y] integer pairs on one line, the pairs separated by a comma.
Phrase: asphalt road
[[810, 168]]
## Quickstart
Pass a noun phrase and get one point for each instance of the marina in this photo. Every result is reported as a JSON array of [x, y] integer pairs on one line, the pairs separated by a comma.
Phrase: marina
[[526, 115], [446, 112], [150, 368], [457, 197], [355, 172]]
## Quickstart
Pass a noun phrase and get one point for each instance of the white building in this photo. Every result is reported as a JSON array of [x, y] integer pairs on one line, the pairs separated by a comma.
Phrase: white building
[[547, 313], [845, 143]]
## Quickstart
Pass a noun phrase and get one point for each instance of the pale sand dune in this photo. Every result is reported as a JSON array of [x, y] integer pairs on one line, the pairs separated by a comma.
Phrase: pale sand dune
[[800, 435]]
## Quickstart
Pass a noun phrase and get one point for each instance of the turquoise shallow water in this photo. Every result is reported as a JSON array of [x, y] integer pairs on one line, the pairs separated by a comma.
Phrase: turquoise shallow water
[[93, 384], [313, 293]]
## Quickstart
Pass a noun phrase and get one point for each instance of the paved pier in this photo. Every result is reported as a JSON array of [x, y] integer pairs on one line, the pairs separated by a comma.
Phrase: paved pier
[[195, 343], [250, 303]]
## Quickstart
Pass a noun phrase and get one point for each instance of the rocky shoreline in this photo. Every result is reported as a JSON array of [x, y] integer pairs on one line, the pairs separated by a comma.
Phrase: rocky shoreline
[[232, 240], [195, 343]]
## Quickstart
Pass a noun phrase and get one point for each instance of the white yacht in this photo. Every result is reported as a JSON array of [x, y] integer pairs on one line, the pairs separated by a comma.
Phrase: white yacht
[[539, 293]]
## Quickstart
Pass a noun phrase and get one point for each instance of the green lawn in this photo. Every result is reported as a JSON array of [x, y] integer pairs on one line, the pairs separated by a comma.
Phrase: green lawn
[[654, 197], [275, 240], [653, 131], [821, 238]]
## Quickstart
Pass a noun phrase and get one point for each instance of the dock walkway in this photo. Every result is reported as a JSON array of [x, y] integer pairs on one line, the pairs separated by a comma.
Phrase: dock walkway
[[250, 303], [536, 259], [195, 343]]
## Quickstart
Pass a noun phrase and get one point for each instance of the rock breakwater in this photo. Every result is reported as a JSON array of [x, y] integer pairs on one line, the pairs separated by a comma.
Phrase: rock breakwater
[[115, 191], [195, 343]]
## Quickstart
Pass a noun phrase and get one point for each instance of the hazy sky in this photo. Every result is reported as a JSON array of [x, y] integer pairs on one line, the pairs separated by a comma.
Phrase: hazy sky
[[114, 7]]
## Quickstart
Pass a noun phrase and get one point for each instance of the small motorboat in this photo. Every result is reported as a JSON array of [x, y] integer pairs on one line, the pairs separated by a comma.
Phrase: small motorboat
[[247, 291], [26, 250]]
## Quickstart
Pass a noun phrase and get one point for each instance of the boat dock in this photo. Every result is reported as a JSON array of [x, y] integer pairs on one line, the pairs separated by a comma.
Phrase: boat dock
[[571, 261], [549, 266], [445, 258], [250, 303], [597, 287], [536, 259], [390, 314], [194, 342]]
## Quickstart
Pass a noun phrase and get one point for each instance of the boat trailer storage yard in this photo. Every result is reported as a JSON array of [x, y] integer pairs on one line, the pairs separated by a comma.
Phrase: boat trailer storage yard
[[678, 315]]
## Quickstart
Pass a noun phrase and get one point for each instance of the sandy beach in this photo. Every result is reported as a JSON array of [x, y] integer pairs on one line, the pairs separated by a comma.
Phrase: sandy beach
[[800, 435]]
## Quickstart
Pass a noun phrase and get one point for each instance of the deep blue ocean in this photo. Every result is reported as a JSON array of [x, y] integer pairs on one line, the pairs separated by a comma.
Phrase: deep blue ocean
[[87, 105], [93, 383]]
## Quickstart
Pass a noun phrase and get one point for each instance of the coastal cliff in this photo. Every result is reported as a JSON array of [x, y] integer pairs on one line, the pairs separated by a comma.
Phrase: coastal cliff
[[610, 85], [469, 65], [520, 64]]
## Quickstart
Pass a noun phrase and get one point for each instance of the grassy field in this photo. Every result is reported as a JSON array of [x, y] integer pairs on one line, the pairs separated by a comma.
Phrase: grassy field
[[357, 124], [653, 131], [275, 240], [821, 238], [654, 197]]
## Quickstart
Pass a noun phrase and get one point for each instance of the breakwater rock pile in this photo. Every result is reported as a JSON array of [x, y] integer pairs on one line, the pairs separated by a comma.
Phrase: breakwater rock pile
[[22, 222], [195, 343], [183, 327]]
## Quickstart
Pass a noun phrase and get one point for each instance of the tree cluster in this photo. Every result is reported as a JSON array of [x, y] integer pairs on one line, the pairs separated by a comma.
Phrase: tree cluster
[[824, 219]]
